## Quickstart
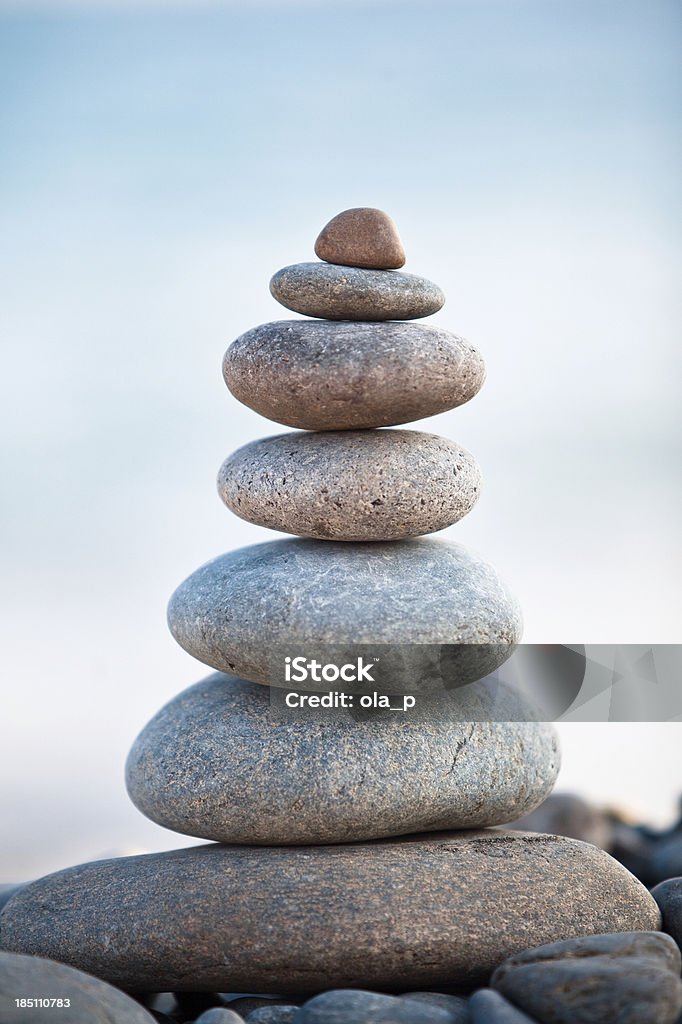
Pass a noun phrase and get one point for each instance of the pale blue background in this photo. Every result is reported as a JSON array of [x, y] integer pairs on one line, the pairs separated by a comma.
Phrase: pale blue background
[[158, 163]]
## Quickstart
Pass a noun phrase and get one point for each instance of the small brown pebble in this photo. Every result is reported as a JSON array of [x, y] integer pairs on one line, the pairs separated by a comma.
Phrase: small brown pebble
[[361, 237]]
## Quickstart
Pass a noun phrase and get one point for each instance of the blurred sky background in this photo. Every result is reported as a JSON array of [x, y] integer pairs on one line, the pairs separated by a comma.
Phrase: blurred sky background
[[158, 162]]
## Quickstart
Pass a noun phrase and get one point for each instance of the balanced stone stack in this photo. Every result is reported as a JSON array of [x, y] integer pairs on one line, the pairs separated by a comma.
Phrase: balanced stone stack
[[341, 858]]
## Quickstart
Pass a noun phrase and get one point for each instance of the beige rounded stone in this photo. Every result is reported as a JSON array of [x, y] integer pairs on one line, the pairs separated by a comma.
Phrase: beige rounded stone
[[354, 485], [361, 237]]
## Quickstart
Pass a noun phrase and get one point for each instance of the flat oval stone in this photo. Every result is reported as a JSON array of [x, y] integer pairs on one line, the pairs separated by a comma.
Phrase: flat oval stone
[[422, 911], [351, 485], [346, 1005], [345, 375], [631, 978], [233, 612], [350, 293], [209, 764], [91, 1001], [361, 237]]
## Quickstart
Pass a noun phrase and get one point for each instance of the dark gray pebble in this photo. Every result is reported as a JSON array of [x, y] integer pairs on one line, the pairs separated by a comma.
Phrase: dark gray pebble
[[219, 1015], [621, 978], [343, 1006], [273, 1015], [488, 1007], [456, 1006], [668, 895]]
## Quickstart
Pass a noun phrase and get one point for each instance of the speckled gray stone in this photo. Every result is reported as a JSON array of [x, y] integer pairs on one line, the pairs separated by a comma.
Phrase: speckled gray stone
[[631, 978], [422, 911], [92, 1001], [351, 293], [351, 485], [488, 1007], [235, 610], [345, 376], [350, 1005], [210, 764]]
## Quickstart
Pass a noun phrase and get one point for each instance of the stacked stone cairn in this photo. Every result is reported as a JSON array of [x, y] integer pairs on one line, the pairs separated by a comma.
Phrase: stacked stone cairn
[[350, 853]]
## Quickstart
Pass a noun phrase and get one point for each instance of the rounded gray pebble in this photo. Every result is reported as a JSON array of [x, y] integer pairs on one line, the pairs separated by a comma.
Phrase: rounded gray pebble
[[668, 895], [92, 1001], [343, 1006], [619, 978], [334, 292], [235, 611], [351, 485], [350, 376], [376, 915], [211, 764], [456, 1006], [273, 1015], [488, 1007], [219, 1015]]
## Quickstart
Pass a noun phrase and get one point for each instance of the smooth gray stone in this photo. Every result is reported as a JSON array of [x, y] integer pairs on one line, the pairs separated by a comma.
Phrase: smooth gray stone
[[219, 1015], [345, 1005], [621, 978], [351, 485], [91, 1001], [668, 895], [273, 1015], [350, 376], [210, 764], [488, 1007], [235, 612], [334, 292], [378, 915], [456, 1006]]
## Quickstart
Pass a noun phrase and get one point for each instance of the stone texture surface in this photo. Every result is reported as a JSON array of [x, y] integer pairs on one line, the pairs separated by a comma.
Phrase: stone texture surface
[[631, 978], [350, 293], [350, 1005], [234, 611], [565, 814], [278, 919], [668, 895], [92, 1001], [351, 485], [361, 237], [345, 376], [273, 1015], [488, 1007], [219, 1015], [456, 1006], [210, 764]]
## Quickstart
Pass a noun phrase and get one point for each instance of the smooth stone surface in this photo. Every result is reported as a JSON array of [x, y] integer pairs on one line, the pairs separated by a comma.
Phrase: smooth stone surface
[[456, 1006], [361, 237], [488, 1007], [92, 1001], [566, 814], [7, 891], [233, 612], [346, 1005], [631, 978], [211, 764], [291, 919], [351, 485], [273, 1015], [219, 1015], [668, 895], [345, 376], [350, 293]]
